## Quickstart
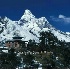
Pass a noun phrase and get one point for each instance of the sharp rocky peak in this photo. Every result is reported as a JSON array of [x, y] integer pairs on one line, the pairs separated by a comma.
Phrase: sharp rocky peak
[[29, 27], [27, 15]]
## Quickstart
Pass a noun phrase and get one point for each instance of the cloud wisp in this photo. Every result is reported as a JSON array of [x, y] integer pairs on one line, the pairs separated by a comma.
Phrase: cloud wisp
[[61, 18]]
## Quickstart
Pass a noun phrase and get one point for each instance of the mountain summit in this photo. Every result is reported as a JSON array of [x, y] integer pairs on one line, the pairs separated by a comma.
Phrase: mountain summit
[[27, 15], [28, 27]]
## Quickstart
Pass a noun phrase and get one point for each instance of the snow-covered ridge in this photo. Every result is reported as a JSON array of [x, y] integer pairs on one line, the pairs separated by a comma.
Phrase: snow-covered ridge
[[28, 27]]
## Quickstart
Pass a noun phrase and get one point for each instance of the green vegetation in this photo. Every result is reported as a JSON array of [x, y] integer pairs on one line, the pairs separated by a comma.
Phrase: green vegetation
[[50, 53]]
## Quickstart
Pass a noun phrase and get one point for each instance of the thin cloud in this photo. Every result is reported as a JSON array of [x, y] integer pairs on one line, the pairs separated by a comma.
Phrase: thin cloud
[[61, 18]]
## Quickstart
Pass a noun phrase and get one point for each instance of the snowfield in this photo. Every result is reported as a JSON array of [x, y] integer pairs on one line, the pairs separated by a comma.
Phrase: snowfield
[[28, 27]]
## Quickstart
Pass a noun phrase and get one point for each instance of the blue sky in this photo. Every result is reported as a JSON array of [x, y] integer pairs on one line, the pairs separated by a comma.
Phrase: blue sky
[[56, 11]]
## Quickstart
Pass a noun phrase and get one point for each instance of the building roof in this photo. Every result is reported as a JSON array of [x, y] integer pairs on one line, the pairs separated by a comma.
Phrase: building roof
[[13, 40], [17, 37]]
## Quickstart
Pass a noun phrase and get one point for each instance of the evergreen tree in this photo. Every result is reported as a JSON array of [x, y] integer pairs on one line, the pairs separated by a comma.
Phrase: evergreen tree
[[9, 60], [29, 63], [31, 45]]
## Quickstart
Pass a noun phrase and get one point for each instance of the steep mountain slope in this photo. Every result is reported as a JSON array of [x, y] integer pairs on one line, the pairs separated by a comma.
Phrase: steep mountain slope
[[28, 27]]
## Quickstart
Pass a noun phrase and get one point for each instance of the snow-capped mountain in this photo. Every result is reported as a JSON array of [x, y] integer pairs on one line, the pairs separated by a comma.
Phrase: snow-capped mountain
[[28, 27]]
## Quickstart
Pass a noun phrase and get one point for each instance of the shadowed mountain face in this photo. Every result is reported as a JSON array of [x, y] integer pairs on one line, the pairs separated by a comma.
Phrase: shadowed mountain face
[[28, 27]]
